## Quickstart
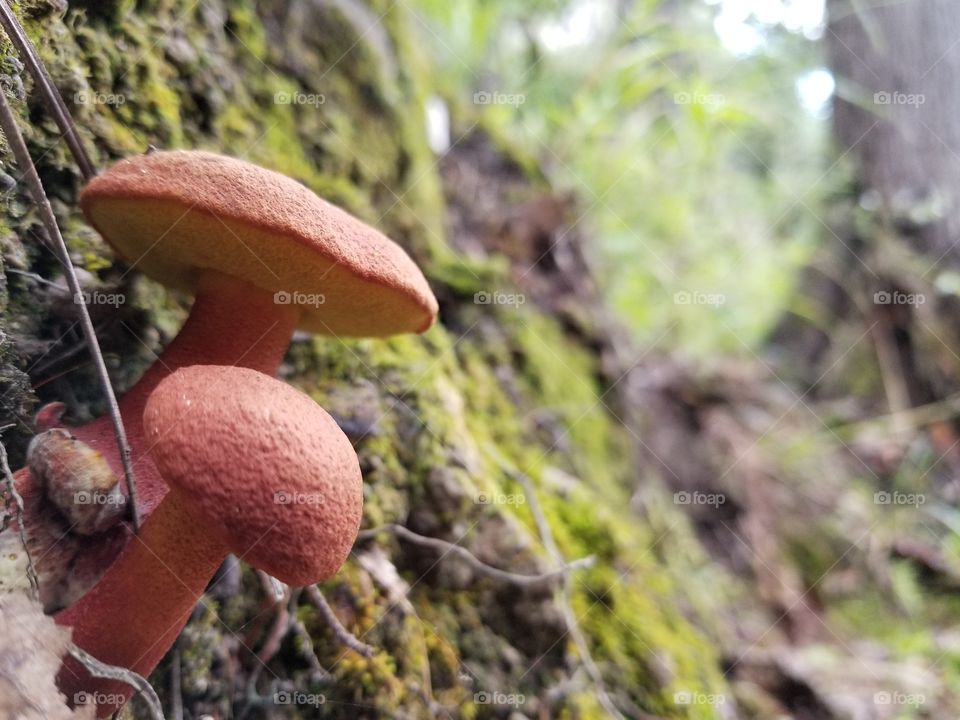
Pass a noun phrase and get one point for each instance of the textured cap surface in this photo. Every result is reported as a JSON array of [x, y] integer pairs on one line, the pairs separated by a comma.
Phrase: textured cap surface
[[173, 214], [262, 466]]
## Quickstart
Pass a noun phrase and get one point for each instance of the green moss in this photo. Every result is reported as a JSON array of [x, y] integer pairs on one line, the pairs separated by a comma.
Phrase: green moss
[[455, 412]]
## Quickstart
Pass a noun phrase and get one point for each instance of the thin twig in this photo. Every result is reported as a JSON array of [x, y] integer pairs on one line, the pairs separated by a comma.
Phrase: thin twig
[[570, 617], [285, 621], [255, 628], [18, 503], [278, 630], [176, 691], [111, 672], [35, 277], [912, 418], [15, 140], [48, 91], [435, 709], [397, 595], [345, 637], [307, 649], [426, 689], [543, 580], [272, 587]]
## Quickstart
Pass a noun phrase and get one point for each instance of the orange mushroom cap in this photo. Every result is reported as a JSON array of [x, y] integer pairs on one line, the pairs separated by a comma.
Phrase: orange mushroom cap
[[175, 214], [263, 467]]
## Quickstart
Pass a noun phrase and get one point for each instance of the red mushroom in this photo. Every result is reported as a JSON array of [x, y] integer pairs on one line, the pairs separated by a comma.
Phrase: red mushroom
[[255, 468], [264, 256]]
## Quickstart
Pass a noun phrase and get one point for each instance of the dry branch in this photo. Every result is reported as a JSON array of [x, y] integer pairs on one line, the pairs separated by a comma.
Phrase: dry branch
[[344, 636], [566, 590], [543, 580], [111, 672]]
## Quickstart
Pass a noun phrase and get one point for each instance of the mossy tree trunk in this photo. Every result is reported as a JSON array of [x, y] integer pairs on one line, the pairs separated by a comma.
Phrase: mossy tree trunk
[[332, 93]]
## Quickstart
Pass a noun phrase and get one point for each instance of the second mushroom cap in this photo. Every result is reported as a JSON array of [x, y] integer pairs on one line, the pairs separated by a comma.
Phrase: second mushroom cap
[[261, 465]]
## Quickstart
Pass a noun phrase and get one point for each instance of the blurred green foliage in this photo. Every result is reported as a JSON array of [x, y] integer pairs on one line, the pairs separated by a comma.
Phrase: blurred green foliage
[[698, 171]]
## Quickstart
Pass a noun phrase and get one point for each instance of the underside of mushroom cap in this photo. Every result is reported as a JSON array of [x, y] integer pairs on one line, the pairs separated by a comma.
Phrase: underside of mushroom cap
[[174, 214], [263, 467]]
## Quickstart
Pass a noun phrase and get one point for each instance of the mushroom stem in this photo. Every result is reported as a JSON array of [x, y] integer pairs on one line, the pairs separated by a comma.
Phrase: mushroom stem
[[231, 323], [135, 612]]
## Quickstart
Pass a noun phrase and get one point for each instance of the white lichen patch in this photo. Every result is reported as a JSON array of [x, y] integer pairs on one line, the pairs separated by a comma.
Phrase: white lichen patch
[[53, 551], [31, 650], [13, 564]]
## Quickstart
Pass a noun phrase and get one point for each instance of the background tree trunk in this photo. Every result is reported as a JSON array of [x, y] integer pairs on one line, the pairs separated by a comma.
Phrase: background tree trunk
[[896, 67], [448, 425]]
